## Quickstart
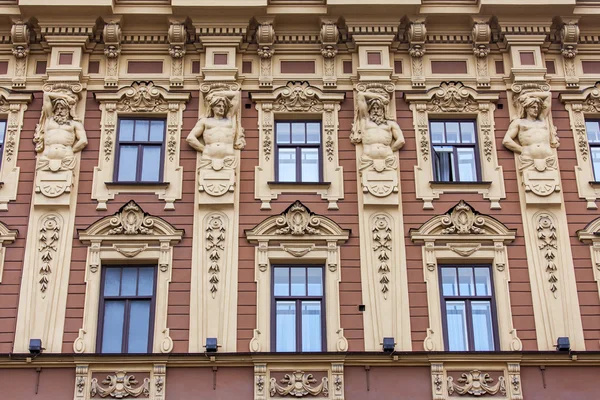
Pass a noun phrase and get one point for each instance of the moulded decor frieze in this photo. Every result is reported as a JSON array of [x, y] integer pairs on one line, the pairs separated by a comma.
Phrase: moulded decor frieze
[[449, 100], [95, 381], [297, 233], [299, 384], [127, 236], [580, 106], [462, 234], [120, 385], [219, 154], [305, 380], [139, 99], [476, 383], [381, 138], [298, 98]]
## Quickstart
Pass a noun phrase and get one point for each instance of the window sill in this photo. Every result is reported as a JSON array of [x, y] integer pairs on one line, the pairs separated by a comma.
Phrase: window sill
[[122, 185], [450, 186], [303, 185]]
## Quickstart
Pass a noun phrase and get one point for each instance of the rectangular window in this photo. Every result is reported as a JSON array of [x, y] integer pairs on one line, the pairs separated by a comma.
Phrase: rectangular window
[[468, 308], [126, 317], [140, 151], [593, 133], [2, 138], [298, 311], [455, 155], [298, 151]]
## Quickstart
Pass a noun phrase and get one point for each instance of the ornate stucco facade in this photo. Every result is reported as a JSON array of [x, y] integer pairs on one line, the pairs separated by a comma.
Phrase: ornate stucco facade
[[217, 213]]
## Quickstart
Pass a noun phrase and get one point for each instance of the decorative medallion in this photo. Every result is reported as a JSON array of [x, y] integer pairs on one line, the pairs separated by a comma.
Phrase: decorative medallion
[[297, 220], [299, 384], [131, 220], [462, 219], [119, 386], [476, 383]]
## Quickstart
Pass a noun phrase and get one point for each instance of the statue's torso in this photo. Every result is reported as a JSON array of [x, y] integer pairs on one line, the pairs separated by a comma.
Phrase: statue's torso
[[58, 140], [534, 137], [219, 136], [377, 140]]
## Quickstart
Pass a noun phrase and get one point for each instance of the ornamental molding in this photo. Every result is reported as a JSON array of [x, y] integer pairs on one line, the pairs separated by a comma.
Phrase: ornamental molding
[[382, 248], [463, 223], [216, 229], [297, 222], [143, 97], [49, 236], [120, 385], [548, 247], [299, 384], [131, 221], [476, 383]]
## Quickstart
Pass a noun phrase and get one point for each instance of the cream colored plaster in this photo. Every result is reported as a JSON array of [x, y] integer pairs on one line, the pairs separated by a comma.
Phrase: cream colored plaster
[[141, 99], [463, 236], [292, 101], [7, 236], [454, 100], [297, 236], [128, 237], [580, 106], [590, 236], [12, 108]]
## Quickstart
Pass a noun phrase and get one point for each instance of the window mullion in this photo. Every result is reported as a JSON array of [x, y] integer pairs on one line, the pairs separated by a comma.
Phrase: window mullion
[[299, 325]]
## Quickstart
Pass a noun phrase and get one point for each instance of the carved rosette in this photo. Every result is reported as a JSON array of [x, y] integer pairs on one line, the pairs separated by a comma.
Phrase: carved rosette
[[215, 248], [19, 34], [299, 384], [120, 385], [131, 220], [476, 383], [382, 249], [548, 246], [112, 49], [177, 37]]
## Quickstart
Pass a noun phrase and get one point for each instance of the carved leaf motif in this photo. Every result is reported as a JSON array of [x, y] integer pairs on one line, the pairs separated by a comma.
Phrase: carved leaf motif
[[143, 97], [131, 220], [382, 246], [298, 96], [49, 236], [297, 220], [453, 97], [462, 219], [120, 385], [476, 383], [215, 245], [299, 384], [548, 247]]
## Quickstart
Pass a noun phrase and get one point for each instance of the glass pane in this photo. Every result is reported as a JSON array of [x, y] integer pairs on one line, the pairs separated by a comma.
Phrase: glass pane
[[129, 281], [457, 326], [157, 129], [444, 163], [593, 131], [311, 326], [482, 282], [315, 281], [146, 281], [467, 131], [437, 132], [283, 132], [596, 162], [281, 278], [310, 165], [298, 132], [449, 284], [112, 331], [465, 282], [452, 132], [313, 132], [139, 325], [151, 164], [285, 326], [298, 277], [126, 129], [112, 281], [2, 131], [141, 130], [287, 165], [483, 333], [466, 164], [127, 163]]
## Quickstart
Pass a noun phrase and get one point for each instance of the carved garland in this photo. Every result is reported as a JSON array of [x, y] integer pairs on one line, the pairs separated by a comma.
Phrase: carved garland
[[548, 246], [120, 385], [476, 383], [131, 220], [215, 246], [463, 219], [297, 220], [299, 384], [49, 236], [382, 246]]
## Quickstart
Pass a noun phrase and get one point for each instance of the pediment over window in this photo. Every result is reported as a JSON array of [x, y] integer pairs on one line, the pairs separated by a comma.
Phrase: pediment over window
[[463, 222], [142, 97], [591, 233], [131, 222], [297, 223], [298, 97]]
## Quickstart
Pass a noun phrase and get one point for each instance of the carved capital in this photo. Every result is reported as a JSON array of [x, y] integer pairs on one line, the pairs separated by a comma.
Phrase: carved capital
[[112, 39], [417, 35], [481, 35], [177, 35], [265, 37], [329, 37], [569, 36]]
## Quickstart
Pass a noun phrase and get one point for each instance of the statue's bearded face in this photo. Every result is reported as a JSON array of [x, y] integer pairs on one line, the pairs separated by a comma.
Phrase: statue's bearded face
[[376, 112], [61, 112], [533, 111], [219, 109]]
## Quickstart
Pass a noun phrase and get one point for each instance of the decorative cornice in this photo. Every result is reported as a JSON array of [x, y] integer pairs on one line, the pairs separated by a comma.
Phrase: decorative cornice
[[142, 97]]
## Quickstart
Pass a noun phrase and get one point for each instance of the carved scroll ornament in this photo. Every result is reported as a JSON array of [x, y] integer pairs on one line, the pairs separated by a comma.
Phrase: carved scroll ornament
[[143, 97], [131, 220], [297, 220], [476, 383], [299, 384], [463, 219], [298, 97], [453, 97], [120, 385]]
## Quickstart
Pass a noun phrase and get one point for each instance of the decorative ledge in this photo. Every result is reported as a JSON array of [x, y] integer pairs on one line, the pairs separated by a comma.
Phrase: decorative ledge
[[122, 186], [303, 185], [448, 186]]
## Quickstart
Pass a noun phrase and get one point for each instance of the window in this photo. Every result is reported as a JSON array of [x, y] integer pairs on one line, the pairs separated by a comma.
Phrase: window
[[140, 150], [468, 308], [455, 156], [298, 156], [126, 309], [298, 309], [593, 133], [2, 134]]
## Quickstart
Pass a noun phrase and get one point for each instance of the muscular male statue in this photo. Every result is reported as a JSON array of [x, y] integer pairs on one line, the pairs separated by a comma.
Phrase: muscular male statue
[[535, 136], [380, 135], [219, 131], [58, 135]]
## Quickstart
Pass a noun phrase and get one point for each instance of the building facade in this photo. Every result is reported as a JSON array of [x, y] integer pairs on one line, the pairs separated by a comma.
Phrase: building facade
[[265, 199]]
